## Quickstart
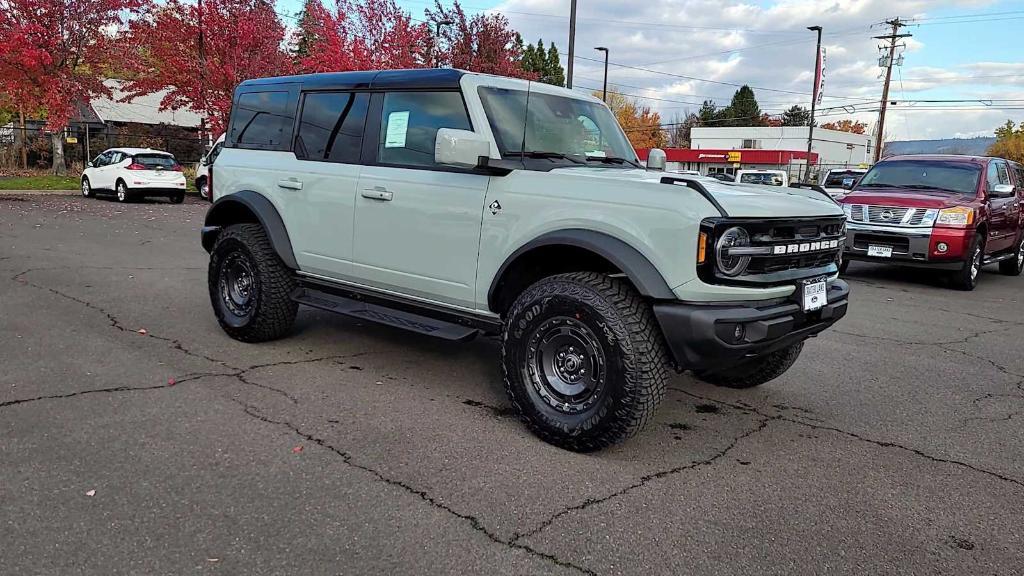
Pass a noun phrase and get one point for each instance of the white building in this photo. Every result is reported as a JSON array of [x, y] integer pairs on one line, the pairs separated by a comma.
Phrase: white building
[[832, 146]]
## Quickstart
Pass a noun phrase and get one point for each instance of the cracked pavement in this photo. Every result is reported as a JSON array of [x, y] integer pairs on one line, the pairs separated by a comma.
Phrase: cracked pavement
[[893, 446]]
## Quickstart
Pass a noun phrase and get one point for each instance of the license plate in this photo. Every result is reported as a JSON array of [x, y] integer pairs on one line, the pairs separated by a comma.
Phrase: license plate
[[880, 251], [815, 294]]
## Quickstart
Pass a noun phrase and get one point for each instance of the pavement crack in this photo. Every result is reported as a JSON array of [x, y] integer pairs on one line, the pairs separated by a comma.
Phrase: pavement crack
[[941, 343], [112, 390], [644, 480], [474, 522], [881, 443]]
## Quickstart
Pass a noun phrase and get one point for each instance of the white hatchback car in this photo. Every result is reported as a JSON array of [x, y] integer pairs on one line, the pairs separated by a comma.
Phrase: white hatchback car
[[135, 173]]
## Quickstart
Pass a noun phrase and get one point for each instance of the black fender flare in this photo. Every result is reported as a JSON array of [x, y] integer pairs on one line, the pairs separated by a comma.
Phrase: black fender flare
[[224, 212], [648, 281]]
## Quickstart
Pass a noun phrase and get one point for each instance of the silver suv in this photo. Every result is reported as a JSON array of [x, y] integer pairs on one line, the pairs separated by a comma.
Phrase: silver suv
[[454, 204]]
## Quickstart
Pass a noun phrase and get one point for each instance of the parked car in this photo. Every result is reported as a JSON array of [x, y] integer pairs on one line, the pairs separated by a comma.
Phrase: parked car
[[422, 200], [839, 181], [955, 213], [722, 176], [203, 172], [763, 177], [132, 173]]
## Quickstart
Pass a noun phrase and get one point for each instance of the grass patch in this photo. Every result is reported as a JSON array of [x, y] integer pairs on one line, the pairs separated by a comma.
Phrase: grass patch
[[47, 182]]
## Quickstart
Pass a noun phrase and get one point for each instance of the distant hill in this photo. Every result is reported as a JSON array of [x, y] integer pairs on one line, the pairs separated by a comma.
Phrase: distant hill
[[966, 146]]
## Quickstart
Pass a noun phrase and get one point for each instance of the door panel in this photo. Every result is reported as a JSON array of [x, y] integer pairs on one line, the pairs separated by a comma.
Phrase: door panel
[[1004, 213], [418, 232]]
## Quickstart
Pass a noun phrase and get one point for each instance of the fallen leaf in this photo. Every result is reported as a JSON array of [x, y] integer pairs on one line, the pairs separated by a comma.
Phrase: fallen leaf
[[143, 331], [213, 559], [90, 493], [171, 382], [297, 449]]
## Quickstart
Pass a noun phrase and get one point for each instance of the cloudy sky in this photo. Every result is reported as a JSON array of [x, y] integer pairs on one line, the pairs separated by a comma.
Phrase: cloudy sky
[[691, 50]]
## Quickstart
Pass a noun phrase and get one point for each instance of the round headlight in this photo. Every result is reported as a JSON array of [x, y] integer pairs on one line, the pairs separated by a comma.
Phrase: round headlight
[[732, 238]]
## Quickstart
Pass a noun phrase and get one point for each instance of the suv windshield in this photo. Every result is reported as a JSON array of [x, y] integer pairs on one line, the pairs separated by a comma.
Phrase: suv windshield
[[766, 179], [929, 175], [155, 161], [537, 125]]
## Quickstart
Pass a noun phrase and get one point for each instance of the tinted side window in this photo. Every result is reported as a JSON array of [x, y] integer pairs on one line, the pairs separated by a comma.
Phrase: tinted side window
[[992, 175], [102, 160], [409, 125], [331, 127], [214, 153], [262, 120]]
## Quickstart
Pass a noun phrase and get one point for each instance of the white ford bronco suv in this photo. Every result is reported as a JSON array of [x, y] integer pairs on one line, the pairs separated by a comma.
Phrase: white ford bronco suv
[[454, 204]]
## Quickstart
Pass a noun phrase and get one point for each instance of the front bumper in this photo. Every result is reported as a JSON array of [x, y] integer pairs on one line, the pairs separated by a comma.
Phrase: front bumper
[[917, 247], [702, 336]]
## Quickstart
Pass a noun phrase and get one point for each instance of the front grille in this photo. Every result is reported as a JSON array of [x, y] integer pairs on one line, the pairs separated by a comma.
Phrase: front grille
[[891, 215], [794, 249]]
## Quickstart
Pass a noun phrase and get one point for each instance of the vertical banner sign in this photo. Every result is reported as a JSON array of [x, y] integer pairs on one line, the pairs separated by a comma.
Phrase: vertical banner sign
[[819, 81]]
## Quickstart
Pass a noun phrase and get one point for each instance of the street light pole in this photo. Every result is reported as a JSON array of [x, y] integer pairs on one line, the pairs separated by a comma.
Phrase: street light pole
[[814, 102], [604, 92], [572, 44], [437, 41]]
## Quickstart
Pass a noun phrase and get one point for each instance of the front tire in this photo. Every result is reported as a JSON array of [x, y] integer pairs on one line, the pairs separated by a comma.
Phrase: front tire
[[177, 198], [755, 372], [250, 287], [204, 188], [121, 191], [86, 187], [585, 363], [966, 279], [1015, 265]]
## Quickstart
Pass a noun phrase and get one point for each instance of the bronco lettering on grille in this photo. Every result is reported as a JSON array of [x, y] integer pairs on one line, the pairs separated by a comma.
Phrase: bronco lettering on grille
[[805, 247]]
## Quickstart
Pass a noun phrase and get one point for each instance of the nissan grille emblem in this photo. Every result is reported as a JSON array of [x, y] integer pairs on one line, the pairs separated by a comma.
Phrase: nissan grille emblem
[[887, 215]]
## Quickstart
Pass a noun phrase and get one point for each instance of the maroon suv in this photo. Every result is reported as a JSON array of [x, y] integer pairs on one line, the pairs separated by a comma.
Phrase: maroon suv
[[955, 213]]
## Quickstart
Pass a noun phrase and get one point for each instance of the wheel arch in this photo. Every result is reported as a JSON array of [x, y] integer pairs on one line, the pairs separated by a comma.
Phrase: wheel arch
[[573, 250], [249, 207]]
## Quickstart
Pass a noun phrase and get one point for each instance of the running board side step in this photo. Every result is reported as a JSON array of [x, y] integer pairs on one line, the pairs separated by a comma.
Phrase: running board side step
[[1000, 258], [406, 320]]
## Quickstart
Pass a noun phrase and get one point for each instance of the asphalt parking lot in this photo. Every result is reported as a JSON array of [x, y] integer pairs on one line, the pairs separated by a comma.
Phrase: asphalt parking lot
[[136, 438]]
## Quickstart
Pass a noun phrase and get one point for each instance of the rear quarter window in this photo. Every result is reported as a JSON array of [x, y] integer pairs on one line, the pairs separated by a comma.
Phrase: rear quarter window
[[263, 120]]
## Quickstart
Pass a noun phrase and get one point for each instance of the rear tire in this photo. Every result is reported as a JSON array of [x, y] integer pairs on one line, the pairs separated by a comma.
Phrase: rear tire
[[1015, 265], [584, 360], [177, 198], [250, 287], [204, 188], [755, 372], [966, 279], [121, 192]]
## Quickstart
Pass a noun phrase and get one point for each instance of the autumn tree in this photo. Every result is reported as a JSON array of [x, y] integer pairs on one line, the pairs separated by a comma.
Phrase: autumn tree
[[1009, 142], [847, 125], [545, 63], [483, 43], [362, 35], [679, 132], [641, 124], [246, 42], [52, 54]]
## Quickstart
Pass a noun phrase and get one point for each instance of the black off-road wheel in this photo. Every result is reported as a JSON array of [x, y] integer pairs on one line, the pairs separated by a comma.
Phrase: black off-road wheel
[[585, 362], [250, 287], [1014, 265], [754, 372], [966, 279]]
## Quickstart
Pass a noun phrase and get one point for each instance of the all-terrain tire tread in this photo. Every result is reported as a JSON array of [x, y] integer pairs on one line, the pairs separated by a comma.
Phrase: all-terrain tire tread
[[644, 361], [275, 310]]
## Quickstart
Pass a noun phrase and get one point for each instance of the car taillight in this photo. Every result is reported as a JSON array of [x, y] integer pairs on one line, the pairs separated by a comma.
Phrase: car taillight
[[136, 166]]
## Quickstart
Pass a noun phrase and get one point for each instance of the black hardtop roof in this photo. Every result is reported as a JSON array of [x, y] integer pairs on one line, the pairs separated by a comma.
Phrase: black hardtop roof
[[424, 78]]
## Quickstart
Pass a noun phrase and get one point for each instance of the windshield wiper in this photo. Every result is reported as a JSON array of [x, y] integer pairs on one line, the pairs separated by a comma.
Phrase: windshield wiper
[[547, 155], [877, 185], [927, 187], [612, 160]]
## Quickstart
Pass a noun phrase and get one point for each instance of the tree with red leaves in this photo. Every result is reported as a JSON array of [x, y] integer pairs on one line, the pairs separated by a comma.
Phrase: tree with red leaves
[[360, 35], [52, 54], [484, 43], [847, 125], [242, 39]]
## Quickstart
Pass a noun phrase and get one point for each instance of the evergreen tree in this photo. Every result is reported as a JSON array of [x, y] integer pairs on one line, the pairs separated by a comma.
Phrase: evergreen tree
[[555, 73], [544, 63], [796, 116], [304, 35], [743, 110]]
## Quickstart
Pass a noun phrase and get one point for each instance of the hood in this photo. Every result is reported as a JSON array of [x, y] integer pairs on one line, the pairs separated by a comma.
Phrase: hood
[[739, 200], [903, 198]]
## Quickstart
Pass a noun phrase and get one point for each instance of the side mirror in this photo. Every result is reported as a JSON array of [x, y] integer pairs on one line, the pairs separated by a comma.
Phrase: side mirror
[[89, 164], [656, 159], [1002, 191], [460, 148]]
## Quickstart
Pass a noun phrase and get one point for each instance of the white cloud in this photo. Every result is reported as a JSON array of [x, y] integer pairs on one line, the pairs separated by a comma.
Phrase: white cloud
[[737, 41]]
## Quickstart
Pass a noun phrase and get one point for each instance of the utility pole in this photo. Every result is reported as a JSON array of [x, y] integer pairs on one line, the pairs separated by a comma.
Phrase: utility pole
[[814, 102], [572, 44], [892, 38], [604, 91]]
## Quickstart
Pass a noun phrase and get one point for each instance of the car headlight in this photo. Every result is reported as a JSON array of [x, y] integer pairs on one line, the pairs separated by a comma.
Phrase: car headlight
[[957, 216], [729, 264]]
